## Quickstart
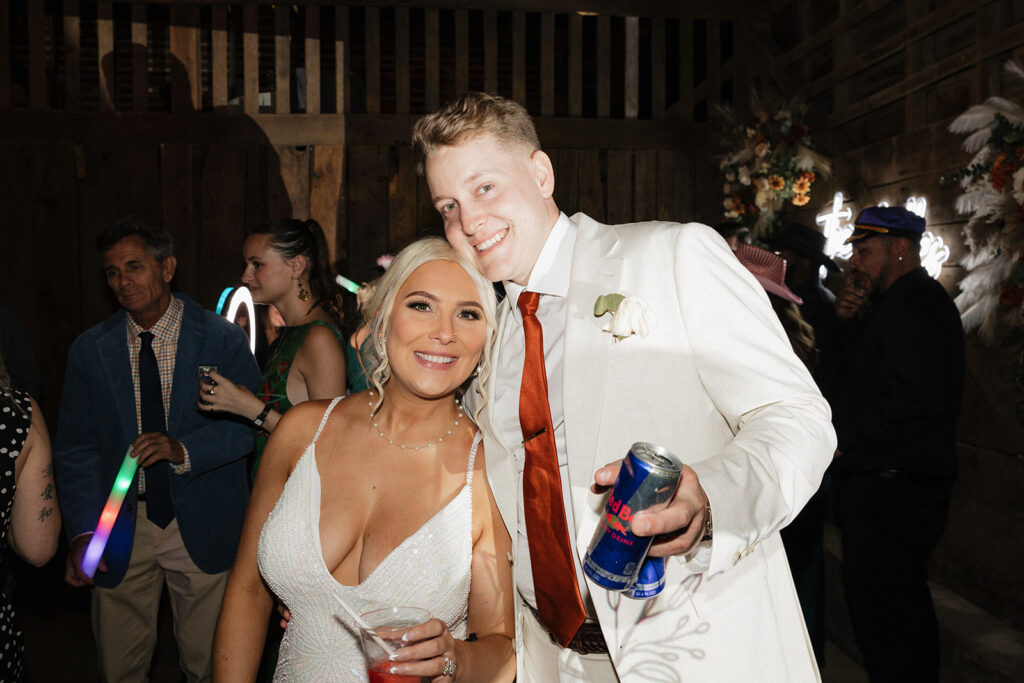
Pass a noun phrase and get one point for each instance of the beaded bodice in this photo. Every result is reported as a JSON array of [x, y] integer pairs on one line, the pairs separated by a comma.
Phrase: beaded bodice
[[430, 569]]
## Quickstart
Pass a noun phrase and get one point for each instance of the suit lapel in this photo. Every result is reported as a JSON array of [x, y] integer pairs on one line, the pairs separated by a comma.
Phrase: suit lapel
[[185, 386], [501, 470], [595, 271], [112, 350]]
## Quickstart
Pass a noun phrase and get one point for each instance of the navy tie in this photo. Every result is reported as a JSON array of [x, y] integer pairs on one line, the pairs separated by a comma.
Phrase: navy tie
[[159, 508]]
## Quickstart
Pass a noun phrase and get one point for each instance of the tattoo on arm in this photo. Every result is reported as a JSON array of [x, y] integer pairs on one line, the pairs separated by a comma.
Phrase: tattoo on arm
[[48, 471], [48, 492], [44, 513]]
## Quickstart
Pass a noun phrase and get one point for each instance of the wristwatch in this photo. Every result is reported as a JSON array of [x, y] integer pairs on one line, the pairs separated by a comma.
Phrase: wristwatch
[[709, 528], [262, 417]]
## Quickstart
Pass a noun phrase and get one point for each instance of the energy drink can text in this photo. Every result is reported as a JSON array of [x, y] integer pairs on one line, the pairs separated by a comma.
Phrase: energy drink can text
[[647, 481], [649, 580]]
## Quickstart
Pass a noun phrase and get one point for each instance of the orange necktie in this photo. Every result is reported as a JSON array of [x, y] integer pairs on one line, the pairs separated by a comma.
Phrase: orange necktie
[[554, 573]]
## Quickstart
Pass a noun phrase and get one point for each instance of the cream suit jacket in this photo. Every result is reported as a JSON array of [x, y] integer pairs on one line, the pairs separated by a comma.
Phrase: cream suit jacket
[[716, 383]]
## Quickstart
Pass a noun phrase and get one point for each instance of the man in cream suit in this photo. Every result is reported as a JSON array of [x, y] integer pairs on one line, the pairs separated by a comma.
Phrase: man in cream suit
[[698, 363]]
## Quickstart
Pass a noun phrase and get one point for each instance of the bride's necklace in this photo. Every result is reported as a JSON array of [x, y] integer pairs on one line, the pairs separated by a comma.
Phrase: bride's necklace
[[392, 442]]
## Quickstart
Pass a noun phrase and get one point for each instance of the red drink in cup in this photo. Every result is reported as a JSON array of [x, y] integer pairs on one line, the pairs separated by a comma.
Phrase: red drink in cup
[[380, 676], [387, 626]]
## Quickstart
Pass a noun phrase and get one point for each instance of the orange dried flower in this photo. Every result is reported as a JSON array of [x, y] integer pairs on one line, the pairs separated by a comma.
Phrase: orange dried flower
[[800, 199], [802, 186], [1011, 296], [776, 182], [1002, 173]]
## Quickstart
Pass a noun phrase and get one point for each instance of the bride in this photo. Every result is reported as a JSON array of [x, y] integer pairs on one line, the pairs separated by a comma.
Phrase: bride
[[381, 499]]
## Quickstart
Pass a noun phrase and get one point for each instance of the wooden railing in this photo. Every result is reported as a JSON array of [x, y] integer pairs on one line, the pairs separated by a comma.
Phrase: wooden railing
[[610, 59]]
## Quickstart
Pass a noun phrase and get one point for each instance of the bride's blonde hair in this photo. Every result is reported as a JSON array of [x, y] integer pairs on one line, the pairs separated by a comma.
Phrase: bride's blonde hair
[[378, 310]]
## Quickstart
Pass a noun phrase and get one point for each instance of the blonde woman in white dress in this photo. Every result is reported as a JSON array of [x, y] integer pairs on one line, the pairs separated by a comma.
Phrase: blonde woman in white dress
[[381, 499]]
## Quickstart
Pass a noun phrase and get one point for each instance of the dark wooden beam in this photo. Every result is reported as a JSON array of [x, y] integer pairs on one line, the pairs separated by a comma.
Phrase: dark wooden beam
[[197, 128], [250, 59], [693, 9]]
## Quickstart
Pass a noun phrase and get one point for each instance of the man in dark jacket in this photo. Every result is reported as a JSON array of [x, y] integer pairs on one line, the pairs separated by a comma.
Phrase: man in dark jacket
[[131, 382], [895, 392]]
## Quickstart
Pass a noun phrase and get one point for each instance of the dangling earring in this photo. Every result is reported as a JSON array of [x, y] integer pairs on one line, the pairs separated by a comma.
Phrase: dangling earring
[[303, 292], [476, 372]]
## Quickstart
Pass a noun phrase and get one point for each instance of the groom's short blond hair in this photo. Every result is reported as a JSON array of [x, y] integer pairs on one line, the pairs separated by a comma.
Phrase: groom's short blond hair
[[474, 113]]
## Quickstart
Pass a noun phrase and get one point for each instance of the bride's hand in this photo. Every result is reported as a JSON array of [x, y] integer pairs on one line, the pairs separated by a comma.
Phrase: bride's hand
[[432, 653], [225, 396]]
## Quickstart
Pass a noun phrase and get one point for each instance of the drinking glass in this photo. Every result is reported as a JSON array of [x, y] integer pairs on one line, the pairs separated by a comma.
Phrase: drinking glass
[[389, 624]]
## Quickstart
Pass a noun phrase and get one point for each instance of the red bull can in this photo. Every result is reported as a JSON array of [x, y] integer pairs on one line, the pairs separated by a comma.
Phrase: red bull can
[[649, 580], [647, 481]]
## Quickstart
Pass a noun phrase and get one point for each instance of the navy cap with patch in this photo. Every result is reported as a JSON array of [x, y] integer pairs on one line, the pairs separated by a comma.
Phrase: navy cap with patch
[[886, 220]]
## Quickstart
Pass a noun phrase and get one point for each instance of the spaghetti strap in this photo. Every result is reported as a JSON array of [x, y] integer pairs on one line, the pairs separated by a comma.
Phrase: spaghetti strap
[[327, 414], [472, 456]]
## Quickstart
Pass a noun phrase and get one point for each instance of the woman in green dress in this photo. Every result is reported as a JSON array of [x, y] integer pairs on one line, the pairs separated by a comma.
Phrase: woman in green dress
[[287, 265]]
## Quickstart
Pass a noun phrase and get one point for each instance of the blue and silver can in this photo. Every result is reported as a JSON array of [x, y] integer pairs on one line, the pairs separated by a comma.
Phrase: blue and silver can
[[649, 580], [647, 481]]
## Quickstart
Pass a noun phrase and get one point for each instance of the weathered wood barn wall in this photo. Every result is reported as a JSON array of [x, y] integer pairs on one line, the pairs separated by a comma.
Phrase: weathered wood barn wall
[[209, 117], [884, 79]]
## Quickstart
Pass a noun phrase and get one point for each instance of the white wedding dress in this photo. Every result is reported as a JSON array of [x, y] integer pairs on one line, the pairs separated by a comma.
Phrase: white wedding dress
[[430, 569]]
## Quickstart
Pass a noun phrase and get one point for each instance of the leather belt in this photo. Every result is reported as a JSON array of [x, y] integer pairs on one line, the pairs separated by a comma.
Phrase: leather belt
[[588, 639]]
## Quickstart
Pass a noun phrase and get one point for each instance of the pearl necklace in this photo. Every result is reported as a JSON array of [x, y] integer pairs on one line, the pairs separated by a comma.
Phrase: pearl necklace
[[392, 442]]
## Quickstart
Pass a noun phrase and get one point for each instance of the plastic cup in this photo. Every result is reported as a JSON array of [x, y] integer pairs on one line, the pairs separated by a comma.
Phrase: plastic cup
[[389, 624]]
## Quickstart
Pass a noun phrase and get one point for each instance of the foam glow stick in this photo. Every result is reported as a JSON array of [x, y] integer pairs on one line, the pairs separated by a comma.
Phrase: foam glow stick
[[243, 297], [223, 299], [347, 284], [98, 542]]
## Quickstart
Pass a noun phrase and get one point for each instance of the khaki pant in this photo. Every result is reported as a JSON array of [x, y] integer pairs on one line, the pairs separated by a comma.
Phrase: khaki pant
[[124, 618]]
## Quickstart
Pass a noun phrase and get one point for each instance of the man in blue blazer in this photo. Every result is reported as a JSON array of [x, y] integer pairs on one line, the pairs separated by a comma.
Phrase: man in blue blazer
[[182, 516]]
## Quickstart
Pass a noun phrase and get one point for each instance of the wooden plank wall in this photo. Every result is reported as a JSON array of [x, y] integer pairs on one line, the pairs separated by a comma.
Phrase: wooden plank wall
[[885, 78], [210, 116]]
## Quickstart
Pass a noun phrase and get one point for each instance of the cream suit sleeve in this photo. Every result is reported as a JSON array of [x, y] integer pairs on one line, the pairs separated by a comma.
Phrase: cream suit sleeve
[[783, 436]]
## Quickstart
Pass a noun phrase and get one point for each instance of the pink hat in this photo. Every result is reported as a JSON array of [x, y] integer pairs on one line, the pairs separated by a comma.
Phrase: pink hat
[[769, 269]]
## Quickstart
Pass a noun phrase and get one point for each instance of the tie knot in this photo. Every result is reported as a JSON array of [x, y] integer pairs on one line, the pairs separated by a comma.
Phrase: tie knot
[[528, 302], [146, 337]]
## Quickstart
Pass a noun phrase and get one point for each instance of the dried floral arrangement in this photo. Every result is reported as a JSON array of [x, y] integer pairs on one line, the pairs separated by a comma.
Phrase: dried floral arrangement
[[991, 298], [771, 161]]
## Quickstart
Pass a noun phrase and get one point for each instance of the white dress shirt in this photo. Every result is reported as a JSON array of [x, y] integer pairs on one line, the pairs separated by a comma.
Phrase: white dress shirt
[[550, 279]]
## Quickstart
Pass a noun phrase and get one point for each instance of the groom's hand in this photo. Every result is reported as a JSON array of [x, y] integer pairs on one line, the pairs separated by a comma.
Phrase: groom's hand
[[679, 527]]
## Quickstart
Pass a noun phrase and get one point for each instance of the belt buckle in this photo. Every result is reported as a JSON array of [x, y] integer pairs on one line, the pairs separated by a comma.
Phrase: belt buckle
[[589, 640]]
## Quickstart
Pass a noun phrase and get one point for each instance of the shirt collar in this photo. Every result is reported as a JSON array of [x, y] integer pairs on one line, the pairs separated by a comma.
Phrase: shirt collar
[[550, 274], [166, 327]]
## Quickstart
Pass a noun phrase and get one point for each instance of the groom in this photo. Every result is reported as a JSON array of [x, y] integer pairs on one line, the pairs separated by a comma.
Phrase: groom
[[707, 374]]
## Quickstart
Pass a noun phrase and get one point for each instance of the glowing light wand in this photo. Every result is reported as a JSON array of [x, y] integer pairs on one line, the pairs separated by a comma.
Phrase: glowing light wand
[[348, 284], [98, 542]]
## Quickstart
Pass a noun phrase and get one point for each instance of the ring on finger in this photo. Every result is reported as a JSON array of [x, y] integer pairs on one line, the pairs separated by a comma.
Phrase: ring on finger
[[210, 392], [449, 667]]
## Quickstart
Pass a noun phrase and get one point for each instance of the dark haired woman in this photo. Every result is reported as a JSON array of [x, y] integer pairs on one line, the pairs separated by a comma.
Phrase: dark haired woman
[[287, 265]]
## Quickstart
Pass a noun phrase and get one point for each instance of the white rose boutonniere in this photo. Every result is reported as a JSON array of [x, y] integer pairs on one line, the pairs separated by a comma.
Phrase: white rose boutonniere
[[630, 315]]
